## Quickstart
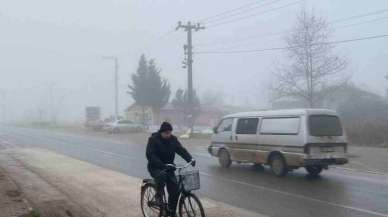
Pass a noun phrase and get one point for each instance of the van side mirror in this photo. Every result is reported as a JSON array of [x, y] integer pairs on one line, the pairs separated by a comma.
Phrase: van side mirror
[[215, 130]]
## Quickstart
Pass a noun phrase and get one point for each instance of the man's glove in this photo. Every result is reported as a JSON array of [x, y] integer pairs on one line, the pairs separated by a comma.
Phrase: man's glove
[[170, 168], [193, 162]]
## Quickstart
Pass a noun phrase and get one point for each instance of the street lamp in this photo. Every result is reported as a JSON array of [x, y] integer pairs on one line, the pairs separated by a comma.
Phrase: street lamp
[[3, 109], [116, 81], [386, 90]]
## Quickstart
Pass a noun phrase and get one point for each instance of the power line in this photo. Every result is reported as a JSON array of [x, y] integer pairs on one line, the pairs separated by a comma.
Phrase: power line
[[228, 11], [241, 12], [291, 47], [249, 38], [166, 33], [332, 22], [253, 15], [364, 22], [359, 16]]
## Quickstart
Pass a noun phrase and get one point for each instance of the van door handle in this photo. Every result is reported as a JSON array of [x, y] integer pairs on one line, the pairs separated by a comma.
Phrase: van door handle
[[231, 137], [236, 138]]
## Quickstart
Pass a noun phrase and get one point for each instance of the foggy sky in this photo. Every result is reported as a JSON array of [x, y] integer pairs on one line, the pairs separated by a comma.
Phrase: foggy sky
[[51, 47]]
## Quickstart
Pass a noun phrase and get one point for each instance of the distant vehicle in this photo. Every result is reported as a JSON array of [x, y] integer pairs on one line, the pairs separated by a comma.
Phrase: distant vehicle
[[93, 117], [120, 126], [283, 139], [203, 130], [96, 125]]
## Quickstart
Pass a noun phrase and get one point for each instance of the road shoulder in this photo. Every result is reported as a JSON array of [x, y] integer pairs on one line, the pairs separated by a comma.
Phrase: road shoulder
[[85, 188]]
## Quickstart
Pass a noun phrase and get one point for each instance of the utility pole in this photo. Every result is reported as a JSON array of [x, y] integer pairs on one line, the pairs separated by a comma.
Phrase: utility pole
[[116, 82], [188, 63], [4, 105], [51, 103], [386, 90]]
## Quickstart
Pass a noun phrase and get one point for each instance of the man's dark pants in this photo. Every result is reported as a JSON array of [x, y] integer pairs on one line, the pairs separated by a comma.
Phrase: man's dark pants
[[163, 178]]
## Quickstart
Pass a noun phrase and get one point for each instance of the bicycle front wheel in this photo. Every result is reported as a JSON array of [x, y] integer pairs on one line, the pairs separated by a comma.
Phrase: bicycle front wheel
[[190, 206]]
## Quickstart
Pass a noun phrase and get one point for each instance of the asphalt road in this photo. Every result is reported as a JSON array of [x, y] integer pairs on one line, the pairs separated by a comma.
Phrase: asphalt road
[[337, 193]]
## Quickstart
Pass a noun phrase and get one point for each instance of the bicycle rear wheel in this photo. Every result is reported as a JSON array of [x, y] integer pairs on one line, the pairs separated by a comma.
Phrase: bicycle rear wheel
[[190, 206], [149, 206]]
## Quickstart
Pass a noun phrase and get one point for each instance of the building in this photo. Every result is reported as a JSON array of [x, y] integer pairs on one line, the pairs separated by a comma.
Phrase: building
[[208, 116]]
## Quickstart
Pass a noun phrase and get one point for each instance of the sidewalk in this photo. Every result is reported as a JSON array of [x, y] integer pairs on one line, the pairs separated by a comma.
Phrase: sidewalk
[[12, 201], [84, 189]]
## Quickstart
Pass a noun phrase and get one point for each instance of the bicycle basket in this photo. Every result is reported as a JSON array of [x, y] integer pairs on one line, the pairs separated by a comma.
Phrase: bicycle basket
[[190, 180]]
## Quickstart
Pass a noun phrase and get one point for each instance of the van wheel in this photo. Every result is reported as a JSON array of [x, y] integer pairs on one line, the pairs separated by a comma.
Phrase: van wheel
[[278, 165], [224, 158], [314, 170]]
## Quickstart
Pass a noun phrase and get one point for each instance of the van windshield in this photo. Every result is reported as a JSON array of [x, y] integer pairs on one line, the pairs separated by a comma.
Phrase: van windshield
[[325, 125]]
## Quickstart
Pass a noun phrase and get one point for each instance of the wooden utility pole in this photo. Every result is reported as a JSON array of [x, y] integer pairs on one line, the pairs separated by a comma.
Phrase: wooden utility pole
[[4, 105], [188, 63]]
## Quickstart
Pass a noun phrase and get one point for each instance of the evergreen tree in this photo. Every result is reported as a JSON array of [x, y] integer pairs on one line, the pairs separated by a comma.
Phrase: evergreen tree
[[148, 88]]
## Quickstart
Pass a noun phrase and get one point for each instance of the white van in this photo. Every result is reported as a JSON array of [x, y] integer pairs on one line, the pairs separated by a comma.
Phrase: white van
[[283, 139]]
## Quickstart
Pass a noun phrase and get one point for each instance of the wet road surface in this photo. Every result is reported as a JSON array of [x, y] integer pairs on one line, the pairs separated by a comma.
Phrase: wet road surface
[[337, 193]]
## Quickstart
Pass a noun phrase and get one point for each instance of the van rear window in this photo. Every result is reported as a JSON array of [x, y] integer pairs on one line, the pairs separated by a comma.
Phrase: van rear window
[[325, 125]]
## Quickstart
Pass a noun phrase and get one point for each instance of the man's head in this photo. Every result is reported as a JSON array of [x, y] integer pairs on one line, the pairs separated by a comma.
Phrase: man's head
[[165, 130]]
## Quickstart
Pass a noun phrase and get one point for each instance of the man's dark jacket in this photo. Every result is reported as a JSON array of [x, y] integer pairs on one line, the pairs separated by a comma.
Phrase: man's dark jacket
[[162, 151]]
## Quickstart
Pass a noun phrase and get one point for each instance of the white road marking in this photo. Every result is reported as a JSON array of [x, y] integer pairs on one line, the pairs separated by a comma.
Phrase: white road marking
[[375, 172], [202, 155], [297, 196]]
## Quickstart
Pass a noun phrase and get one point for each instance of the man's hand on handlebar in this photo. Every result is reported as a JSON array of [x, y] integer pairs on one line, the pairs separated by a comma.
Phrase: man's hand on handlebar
[[193, 162], [173, 167], [170, 167]]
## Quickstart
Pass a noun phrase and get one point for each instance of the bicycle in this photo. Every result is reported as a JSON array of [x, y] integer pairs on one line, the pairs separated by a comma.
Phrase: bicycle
[[189, 204]]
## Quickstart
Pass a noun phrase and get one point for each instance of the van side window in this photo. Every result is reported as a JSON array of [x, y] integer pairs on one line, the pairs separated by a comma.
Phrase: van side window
[[247, 126], [225, 125], [280, 126]]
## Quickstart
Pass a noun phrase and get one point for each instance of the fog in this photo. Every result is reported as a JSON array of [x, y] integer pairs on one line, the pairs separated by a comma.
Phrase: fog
[[51, 51]]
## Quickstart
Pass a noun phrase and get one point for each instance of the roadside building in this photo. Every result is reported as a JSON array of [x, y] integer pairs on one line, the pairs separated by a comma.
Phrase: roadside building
[[208, 115]]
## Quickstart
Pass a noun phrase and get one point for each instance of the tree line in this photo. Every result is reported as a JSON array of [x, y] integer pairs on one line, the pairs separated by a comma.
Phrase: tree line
[[150, 89]]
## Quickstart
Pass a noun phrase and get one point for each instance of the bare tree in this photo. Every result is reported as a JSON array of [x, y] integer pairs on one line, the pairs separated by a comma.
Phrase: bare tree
[[313, 70]]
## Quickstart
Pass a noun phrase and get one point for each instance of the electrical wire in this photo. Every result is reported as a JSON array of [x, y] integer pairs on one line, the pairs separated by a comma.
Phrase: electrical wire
[[291, 47], [253, 15], [331, 22], [229, 11], [241, 12], [359, 16], [364, 22]]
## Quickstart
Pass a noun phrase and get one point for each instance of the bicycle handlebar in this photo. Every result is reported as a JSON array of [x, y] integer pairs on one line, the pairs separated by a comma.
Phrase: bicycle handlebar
[[179, 167]]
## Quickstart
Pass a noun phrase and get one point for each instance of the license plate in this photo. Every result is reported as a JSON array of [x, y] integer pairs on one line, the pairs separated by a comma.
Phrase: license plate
[[327, 149]]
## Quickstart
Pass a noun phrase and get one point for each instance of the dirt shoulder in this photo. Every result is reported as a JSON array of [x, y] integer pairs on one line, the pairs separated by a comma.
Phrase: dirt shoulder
[[83, 188], [12, 200]]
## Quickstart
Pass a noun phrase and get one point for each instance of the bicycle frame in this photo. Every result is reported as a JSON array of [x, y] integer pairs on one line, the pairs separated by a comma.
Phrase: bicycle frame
[[181, 189]]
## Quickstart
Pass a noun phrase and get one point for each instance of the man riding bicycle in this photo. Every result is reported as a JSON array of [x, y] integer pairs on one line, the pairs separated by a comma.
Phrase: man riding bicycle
[[160, 152]]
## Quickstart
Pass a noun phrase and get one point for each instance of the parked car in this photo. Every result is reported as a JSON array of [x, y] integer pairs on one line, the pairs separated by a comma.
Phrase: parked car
[[95, 125], [283, 139], [120, 126]]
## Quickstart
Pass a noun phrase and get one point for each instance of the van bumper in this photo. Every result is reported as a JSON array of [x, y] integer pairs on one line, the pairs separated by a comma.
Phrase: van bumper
[[325, 162], [213, 151]]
